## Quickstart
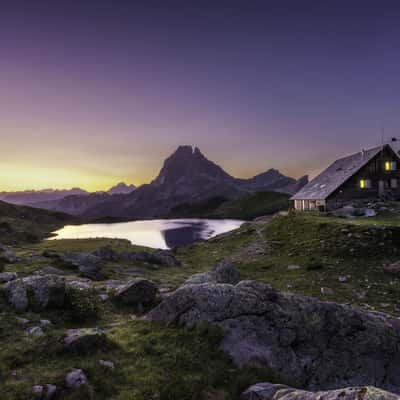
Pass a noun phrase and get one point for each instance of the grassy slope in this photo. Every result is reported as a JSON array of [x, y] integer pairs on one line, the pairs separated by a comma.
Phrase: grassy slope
[[25, 224], [155, 362], [247, 207]]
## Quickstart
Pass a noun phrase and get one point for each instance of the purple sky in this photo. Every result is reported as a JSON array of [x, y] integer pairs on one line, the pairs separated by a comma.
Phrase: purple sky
[[95, 92]]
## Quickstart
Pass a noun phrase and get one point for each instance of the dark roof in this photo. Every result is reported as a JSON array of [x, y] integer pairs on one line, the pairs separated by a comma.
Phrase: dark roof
[[335, 175]]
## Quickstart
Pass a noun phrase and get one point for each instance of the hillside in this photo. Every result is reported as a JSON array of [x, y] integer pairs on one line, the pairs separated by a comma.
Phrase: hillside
[[247, 207], [25, 224]]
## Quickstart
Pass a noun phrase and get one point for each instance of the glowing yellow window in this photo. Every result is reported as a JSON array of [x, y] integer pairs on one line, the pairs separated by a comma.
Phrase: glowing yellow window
[[365, 184], [390, 165]]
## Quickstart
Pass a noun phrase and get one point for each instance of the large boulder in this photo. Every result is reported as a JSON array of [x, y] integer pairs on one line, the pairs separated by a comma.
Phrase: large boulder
[[87, 264], [223, 272], [85, 340], [310, 343], [36, 292], [269, 391], [137, 292], [159, 257]]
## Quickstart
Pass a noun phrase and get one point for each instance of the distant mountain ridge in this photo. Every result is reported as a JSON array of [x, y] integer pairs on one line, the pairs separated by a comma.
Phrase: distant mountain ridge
[[186, 177], [40, 198], [27, 197]]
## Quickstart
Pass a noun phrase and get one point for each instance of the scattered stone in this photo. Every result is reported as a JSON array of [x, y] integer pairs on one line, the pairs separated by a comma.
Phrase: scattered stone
[[45, 322], [22, 321], [7, 276], [87, 264], [104, 296], [293, 267], [36, 331], [85, 339], [138, 291], [270, 391], [107, 364], [50, 392], [343, 278], [223, 272], [37, 391], [75, 379], [44, 393], [37, 292], [327, 291], [308, 342]]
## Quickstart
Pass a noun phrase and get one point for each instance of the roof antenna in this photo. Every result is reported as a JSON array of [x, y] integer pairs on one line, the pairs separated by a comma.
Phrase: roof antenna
[[382, 133]]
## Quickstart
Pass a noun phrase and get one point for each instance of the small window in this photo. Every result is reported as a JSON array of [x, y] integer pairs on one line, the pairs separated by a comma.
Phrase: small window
[[365, 184], [393, 183], [390, 166]]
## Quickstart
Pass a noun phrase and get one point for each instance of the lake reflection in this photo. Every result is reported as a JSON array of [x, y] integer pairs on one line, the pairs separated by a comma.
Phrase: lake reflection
[[162, 233]]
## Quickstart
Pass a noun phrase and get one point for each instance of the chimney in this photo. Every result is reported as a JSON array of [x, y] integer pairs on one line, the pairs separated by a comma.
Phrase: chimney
[[363, 152]]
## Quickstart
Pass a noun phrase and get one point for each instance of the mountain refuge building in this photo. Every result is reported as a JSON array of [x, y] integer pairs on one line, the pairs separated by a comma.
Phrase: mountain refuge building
[[372, 174]]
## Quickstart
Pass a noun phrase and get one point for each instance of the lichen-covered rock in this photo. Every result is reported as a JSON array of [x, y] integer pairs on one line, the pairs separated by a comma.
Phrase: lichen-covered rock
[[223, 272], [137, 292], [310, 343], [85, 340], [87, 264], [36, 292], [269, 391]]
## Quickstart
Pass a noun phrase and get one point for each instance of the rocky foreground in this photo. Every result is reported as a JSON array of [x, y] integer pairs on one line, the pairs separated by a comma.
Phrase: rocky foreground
[[329, 349], [309, 343]]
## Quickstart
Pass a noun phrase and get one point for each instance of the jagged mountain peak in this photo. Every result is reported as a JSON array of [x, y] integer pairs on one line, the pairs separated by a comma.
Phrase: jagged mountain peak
[[188, 163]]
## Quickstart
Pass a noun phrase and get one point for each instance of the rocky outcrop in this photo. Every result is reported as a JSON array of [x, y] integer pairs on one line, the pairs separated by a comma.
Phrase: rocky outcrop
[[137, 292], [159, 257], [269, 391], [87, 264], [223, 272], [36, 292], [85, 340], [309, 343]]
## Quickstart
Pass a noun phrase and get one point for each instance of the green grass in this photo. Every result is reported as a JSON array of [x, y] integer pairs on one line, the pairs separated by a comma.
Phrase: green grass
[[151, 361], [158, 362]]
